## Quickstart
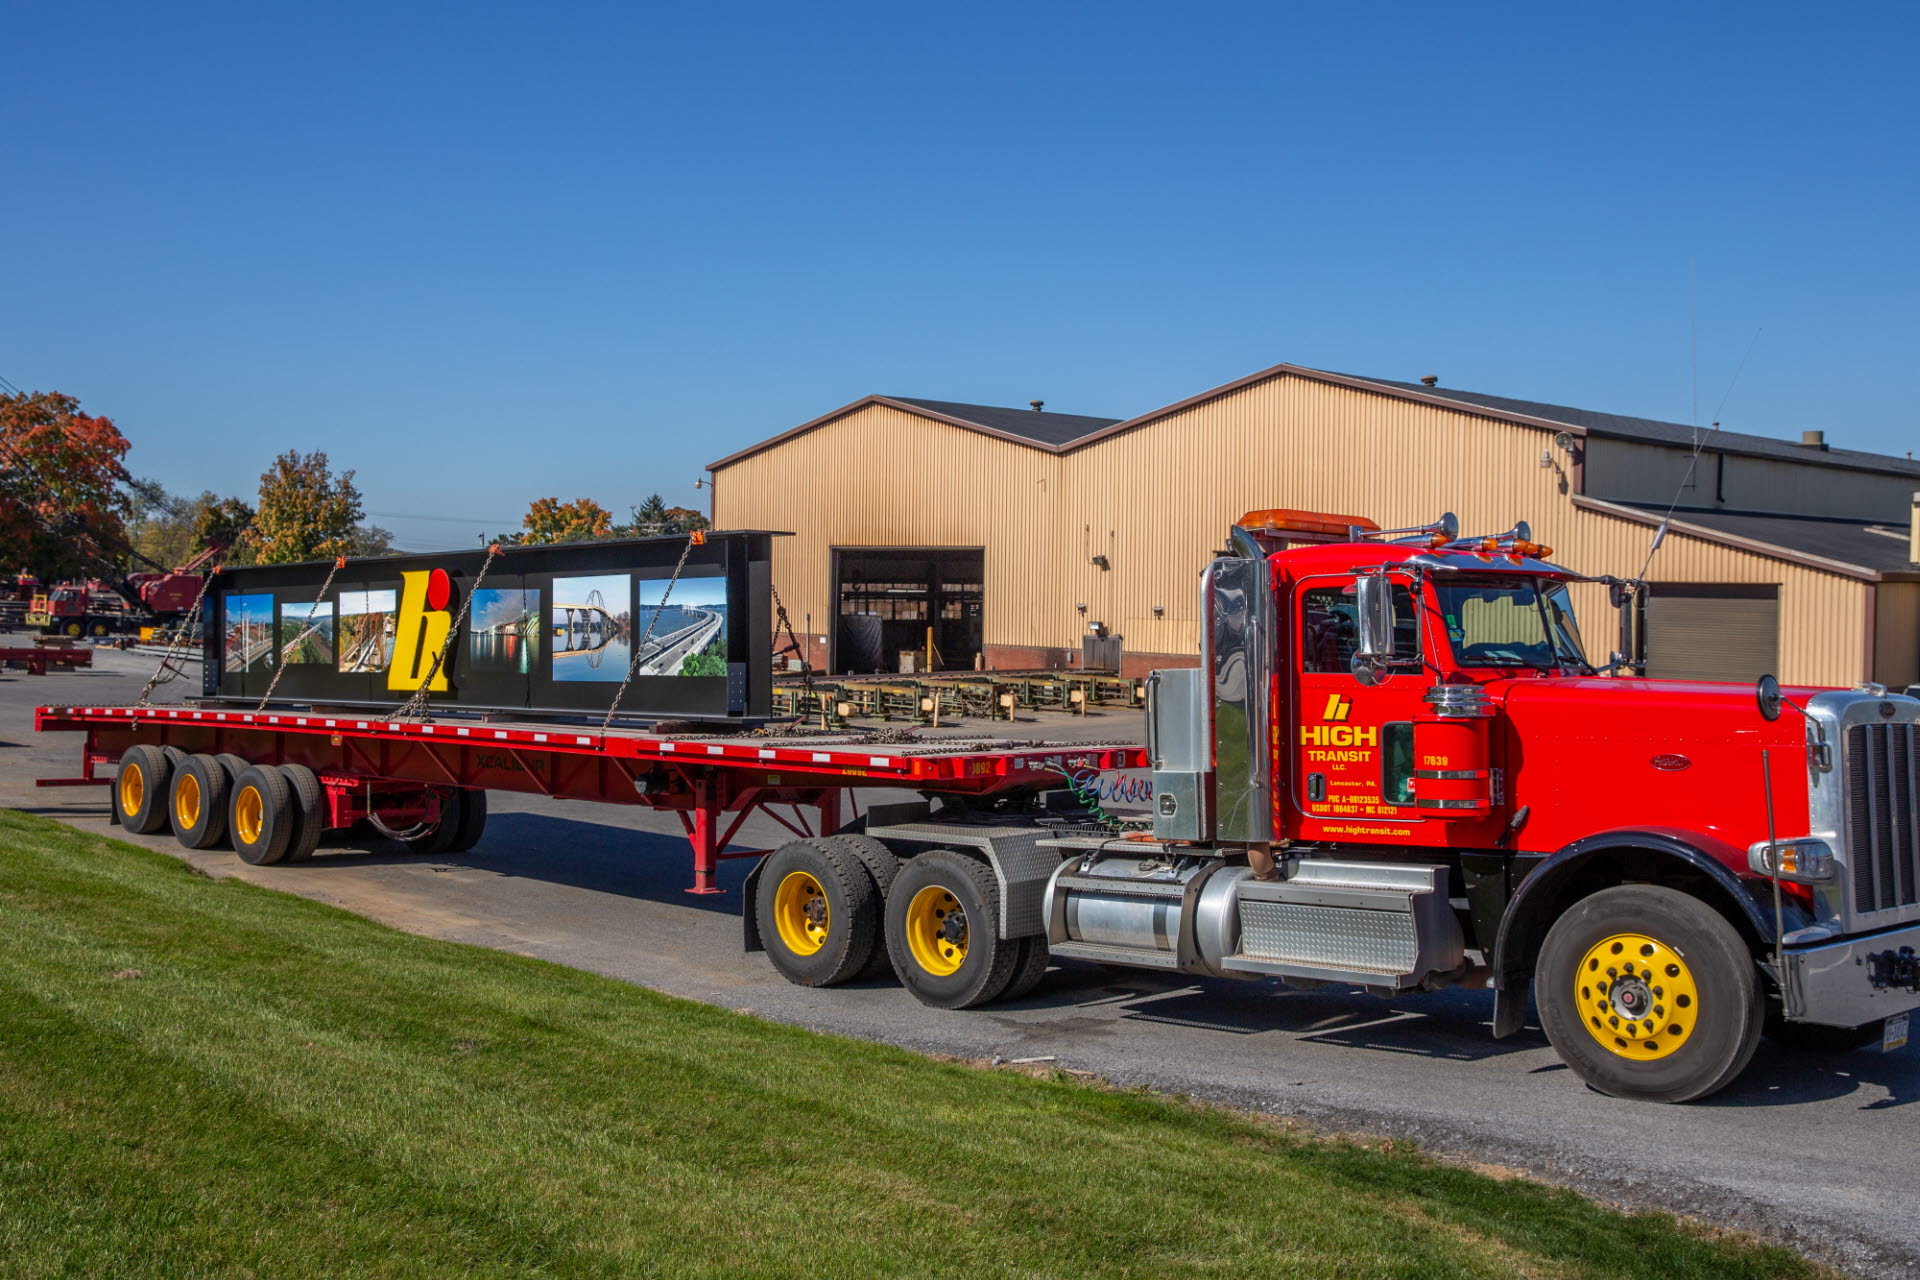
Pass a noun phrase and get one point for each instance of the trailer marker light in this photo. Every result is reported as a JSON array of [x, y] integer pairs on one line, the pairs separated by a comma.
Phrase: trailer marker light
[[585, 742], [716, 751], [466, 733], [821, 757], [500, 734], [765, 754]]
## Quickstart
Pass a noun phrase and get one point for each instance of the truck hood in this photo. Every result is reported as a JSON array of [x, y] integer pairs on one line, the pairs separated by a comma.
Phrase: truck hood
[[1591, 753]]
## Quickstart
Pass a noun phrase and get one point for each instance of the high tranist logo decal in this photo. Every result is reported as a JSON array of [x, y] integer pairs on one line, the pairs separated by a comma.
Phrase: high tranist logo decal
[[425, 618], [1334, 731]]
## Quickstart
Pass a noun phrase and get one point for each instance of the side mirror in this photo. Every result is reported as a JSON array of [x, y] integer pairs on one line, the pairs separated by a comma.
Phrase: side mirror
[[1373, 619], [1766, 696]]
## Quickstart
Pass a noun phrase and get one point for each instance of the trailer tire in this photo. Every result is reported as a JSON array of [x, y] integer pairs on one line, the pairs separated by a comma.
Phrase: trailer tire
[[261, 815], [1649, 994], [197, 802], [945, 963], [819, 913], [310, 808], [233, 764], [883, 864], [1029, 968], [1811, 1037], [174, 756], [447, 830], [140, 789], [473, 821]]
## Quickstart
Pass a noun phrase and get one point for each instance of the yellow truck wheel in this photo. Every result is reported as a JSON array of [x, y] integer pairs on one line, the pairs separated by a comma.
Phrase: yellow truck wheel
[[1648, 993]]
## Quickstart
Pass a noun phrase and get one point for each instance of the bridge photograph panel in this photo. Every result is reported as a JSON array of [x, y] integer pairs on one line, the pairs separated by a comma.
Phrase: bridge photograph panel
[[689, 636], [306, 632], [504, 632], [590, 624], [365, 630], [249, 632]]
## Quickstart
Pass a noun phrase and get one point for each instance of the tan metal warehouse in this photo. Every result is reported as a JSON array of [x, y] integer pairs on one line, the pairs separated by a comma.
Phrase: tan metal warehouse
[[1012, 531]]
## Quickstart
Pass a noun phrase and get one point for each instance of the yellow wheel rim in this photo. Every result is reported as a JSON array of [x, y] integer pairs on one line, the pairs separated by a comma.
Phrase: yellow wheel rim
[[186, 802], [801, 914], [73, 628], [249, 815], [1637, 996], [133, 790], [937, 931]]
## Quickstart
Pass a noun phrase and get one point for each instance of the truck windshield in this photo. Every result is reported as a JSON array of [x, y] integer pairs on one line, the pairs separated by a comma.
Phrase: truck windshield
[[1508, 623]]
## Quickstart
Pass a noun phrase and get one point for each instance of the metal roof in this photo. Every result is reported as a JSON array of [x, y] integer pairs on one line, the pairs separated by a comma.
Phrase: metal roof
[[1065, 432], [1880, 547], [1051, 429], [1654, 431], [1871, 549]]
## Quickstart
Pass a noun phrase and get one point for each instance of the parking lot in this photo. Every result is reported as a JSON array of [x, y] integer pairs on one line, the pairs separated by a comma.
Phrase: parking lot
[[1811, 1150]]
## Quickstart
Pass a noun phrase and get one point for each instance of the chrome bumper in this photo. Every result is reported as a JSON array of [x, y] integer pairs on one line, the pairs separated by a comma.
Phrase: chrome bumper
[[1834, 985]]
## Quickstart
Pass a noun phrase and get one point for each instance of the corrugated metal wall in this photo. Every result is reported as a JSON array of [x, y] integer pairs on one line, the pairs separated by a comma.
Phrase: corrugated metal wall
[[1896, 650], [1158, 499], [1622, 471]]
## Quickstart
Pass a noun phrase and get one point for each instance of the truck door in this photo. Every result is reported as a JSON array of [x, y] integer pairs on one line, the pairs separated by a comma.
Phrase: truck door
[[1352, 744]]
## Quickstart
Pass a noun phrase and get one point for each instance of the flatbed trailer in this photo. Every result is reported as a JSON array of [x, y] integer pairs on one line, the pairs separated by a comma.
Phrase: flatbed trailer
[[39, 659], [420, 776]]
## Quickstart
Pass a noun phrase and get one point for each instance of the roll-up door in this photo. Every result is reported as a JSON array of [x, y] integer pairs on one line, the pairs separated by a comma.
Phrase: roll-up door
[[1712, 631]]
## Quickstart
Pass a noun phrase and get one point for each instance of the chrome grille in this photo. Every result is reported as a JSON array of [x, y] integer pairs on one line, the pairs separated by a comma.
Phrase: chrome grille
[[1883, 816]]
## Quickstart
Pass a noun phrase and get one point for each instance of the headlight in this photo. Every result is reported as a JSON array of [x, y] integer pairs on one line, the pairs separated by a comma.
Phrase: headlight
[[1800, 861]]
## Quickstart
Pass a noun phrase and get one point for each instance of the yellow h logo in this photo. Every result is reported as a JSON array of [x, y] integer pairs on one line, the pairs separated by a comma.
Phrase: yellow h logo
[[1338, 707], [420, 630]]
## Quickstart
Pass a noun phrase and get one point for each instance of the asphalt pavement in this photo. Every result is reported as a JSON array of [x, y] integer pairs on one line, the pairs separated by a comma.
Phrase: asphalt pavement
[[1810, 1150]]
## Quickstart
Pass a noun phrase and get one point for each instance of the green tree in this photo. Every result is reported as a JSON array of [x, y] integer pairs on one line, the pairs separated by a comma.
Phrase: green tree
[[654, 517], [306, 512], [223, 522], [170, 530], [64, 491]]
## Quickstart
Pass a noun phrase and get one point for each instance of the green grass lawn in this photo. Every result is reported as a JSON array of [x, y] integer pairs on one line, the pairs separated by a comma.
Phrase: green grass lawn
[[204, 1078]]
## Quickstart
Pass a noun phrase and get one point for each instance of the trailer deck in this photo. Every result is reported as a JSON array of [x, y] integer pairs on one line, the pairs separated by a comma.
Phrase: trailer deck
[[371, 765]]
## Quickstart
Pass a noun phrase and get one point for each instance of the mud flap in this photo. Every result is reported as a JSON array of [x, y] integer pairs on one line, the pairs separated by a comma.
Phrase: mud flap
[[750, 910]]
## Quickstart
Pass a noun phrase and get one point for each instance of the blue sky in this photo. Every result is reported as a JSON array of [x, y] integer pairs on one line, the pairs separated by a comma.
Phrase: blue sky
[[487, 253]]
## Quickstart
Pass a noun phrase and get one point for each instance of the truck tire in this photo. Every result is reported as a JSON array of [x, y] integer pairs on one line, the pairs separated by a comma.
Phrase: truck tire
[[261, 815], [943, 931], [819, 913], [473, 821], [883, 865], [1029, 968], [1811, 1037], [1649, 994], [140, 789], [310, 806], [197, 802], [233, 764]]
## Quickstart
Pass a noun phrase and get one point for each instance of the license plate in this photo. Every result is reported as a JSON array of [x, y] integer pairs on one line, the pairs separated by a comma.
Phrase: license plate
[[1895, 1034]]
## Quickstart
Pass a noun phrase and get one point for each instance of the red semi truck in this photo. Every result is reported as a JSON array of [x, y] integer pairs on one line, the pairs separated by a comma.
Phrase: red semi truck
[[1394, 768]]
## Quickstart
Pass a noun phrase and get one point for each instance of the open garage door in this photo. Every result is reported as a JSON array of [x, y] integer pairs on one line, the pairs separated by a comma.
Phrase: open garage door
[[1712, 631], [895, 600]]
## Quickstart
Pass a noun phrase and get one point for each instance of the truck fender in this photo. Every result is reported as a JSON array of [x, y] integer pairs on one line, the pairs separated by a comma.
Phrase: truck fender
[[1529, 913]]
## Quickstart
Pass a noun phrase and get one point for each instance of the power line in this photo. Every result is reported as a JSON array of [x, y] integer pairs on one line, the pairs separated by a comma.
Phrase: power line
[[473, 520]]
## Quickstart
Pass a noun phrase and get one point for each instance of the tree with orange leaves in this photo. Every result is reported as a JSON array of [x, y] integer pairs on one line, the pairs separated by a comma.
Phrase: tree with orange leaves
[[63, 486], [550, 520]]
